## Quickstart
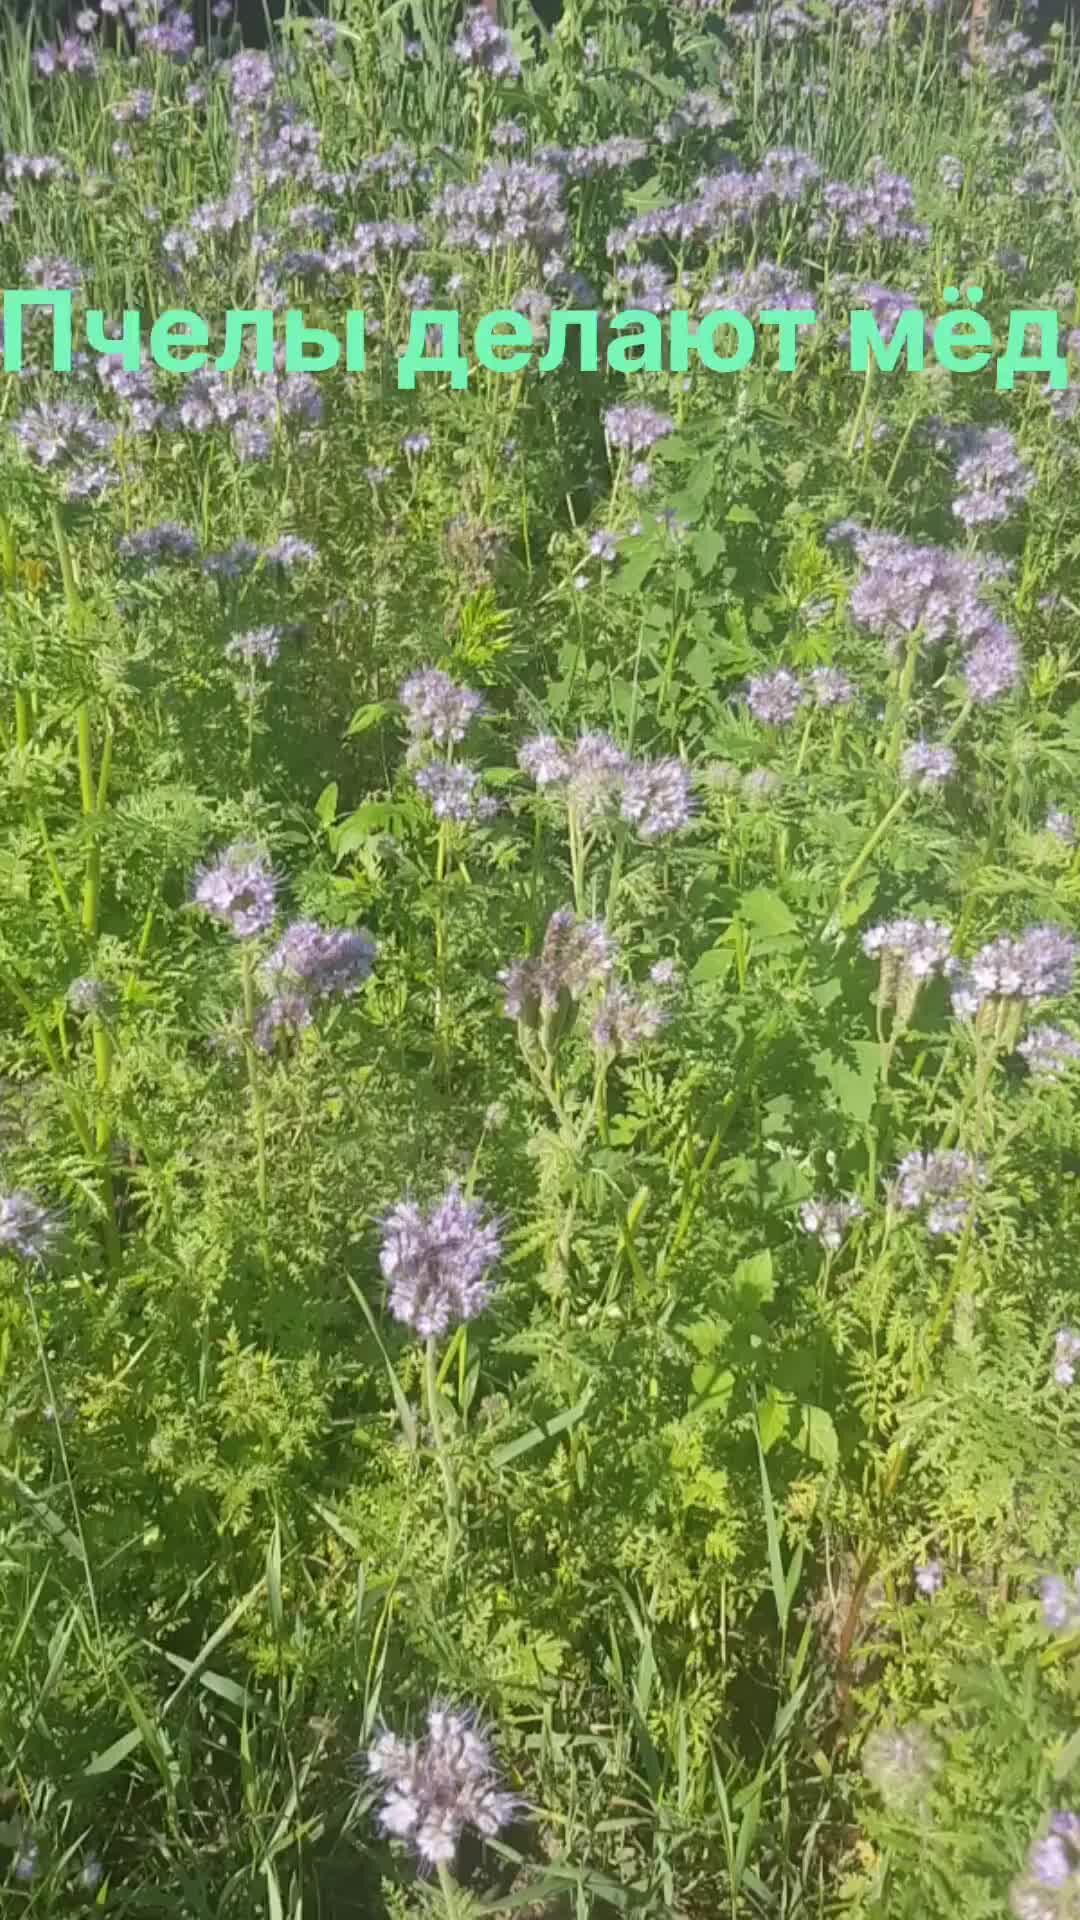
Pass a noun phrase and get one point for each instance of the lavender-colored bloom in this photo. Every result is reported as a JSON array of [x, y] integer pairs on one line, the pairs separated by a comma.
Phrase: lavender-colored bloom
[[576, 955], [951, 172], [286, 1014], [910, 952], [664, 973], [623, 1024], [1049, 1052], [321, 961], [27, 1229], [991, 478], [656, 797], [482, 44], [751, 290], [1062, 826], [635, 429], [251, 81], [435, 1788], [900, 1762], [155, 545], [941, 1185], [1066, 1355], [238, 888], [513, 205], [930, 1578], [452, 791], [877, 212], [233, 562], [925, 765], [1060, 1603], [437, 1265], [831, 688], [993, 665], [829, 1220], [413, 444], [61, 431], [25, 1864], [775, 698], [437, 709], [604, 546], [87, 995], [259, 643], [1038, 964], [289, 551], [544, 760], [905, 587]]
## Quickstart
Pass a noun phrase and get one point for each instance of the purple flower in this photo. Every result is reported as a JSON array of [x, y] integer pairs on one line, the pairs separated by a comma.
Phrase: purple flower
[[1038, 964], [905, 587], [288, 551], [828, 1221], [1049, 1052], [437, 709], [930, 1578], [87, 995], [992, 480], [635, 429], [155, 545], [775, 698], [925, 765], [321, 961], [1062, 826], [433, 1789], [27, 1229], [482, 44], [452, 793], [910, 952], [941, 1185], [656, 797], [239, 889], [62, 431], [993, 665], [260, 643], [1066, 1355], [830, 687], [437, 1265], [623, 1024], [1060, 1603], [576, 954], [286, 1013], [414, 444]]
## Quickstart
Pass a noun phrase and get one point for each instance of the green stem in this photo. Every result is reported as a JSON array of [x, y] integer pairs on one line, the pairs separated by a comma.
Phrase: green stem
[[103, 1059], [449, 1894], [431, 1392], [258, 1113]]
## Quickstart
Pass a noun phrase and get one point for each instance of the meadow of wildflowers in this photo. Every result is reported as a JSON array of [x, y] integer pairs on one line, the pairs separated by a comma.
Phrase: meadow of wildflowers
[[540, 981]]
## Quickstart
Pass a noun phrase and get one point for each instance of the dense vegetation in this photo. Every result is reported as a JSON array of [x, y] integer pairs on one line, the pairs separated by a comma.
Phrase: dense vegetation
[[538, 975]]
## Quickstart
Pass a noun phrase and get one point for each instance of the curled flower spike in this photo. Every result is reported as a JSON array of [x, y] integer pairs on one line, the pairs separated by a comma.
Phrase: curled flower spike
[[829, 1220]]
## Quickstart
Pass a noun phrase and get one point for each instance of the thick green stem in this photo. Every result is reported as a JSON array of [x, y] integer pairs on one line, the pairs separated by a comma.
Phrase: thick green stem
[[258, 1113], [103, 1058], [431, 1394]]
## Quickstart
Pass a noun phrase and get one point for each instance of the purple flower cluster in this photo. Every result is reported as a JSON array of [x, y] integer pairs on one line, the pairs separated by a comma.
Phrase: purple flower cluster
[[435, 1788], [27, 1229], [653, 795], [635, 429], [1038, 964], [906, 588], [624, 1023], [1066, 1355], [910, 953], [512, 205], [320, 961], [752, 290], [828, 1221], [453, 793], [925, 765], [437, 1265], [879, 212], [1060, 1602], [62, 437], [437, 709], [939, 1185], [1049, 1052], [239, 889], [481, 44], [258, 643], [775, 698], [992, 481], [575, 955], [1049, 1887]]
